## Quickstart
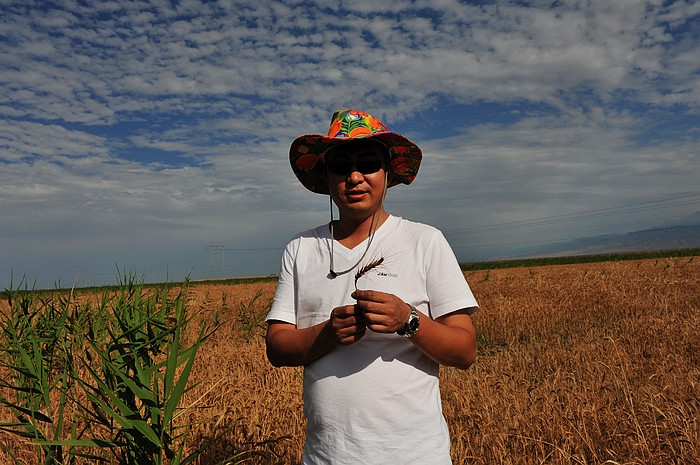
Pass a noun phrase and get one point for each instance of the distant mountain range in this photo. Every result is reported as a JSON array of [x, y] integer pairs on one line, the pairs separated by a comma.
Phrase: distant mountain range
[[681, 234]]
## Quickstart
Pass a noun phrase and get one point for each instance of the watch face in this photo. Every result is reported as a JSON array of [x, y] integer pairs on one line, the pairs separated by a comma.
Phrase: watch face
[[413, 323]]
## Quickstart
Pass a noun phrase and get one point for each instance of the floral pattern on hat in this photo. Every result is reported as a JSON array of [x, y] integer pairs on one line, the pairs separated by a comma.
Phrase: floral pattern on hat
[[354, 124], [306, 152]]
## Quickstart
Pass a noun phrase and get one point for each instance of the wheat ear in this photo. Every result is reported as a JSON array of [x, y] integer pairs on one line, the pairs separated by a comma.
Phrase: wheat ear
[[367, 268]]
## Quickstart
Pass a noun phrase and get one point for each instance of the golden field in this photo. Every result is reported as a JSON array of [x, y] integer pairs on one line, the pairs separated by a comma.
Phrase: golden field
[[577, 364]]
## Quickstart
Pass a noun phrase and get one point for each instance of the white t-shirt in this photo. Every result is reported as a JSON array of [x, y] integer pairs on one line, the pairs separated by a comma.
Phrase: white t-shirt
[[376, 401]]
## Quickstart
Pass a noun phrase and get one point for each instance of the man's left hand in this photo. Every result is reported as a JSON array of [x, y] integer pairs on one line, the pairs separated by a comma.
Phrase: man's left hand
[[384, 313]]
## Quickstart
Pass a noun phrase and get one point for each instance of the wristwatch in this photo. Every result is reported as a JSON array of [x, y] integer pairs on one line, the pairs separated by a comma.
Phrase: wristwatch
[[411, 326]]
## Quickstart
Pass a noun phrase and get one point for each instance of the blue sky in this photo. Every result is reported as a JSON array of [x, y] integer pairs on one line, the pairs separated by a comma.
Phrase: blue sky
[[153, 136]]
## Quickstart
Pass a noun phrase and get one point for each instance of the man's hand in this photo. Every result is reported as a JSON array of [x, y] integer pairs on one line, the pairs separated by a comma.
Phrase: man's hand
[[348, 324], [384, 313]]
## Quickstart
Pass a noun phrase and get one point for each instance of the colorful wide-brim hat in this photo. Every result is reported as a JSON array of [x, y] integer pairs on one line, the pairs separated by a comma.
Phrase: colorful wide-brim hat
[[306, 153]]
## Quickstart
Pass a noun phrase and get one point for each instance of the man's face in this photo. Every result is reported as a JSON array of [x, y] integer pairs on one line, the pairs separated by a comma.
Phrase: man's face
[[356, 176]]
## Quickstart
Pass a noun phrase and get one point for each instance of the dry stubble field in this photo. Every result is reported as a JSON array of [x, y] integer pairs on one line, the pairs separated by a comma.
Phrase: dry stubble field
[[577, 364]]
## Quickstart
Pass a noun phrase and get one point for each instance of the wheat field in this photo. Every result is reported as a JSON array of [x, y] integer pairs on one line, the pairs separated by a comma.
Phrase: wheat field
[[595, 363]]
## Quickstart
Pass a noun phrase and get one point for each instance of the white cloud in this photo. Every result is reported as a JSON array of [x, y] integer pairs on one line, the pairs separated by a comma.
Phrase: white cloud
[[209, 96], [23, 139]]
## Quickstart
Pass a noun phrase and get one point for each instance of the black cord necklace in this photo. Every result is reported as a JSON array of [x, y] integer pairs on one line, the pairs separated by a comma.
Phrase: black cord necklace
[[372, 231], [369, 243]]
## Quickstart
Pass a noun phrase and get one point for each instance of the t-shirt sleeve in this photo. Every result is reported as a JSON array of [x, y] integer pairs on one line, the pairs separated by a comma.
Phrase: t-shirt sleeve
[[284, 304], [448, 290]]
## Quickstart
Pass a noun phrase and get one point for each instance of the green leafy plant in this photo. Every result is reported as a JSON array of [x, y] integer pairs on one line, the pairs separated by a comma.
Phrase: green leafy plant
[[36, 352], [100, 383], [140, 377]]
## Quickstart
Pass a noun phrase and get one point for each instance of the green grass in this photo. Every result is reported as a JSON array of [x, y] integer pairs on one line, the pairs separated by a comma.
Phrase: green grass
[[544, 261], [467, 266], [146, 286]]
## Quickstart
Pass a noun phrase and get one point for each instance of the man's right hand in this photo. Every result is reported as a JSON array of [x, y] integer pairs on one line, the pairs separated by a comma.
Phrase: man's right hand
[[348, 324]]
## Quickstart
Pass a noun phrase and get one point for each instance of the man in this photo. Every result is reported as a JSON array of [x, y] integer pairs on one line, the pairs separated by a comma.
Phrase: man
[[370, 304]]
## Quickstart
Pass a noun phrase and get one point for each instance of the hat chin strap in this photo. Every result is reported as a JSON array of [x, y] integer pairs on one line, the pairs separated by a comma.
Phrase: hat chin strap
[[373, 230]]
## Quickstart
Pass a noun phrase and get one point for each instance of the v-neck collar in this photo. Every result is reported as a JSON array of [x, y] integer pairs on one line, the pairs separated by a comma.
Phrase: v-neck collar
[[347, 253]]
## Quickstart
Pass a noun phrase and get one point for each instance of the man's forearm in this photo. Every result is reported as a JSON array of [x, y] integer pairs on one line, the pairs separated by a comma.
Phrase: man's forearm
[[449, 341], [289, 346]]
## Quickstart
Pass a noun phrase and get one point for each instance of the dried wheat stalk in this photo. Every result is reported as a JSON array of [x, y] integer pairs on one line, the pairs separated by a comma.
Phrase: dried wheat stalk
[[367, 268]]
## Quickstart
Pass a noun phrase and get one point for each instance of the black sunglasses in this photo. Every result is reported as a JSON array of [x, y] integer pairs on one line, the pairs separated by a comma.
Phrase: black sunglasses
[[345, 167]]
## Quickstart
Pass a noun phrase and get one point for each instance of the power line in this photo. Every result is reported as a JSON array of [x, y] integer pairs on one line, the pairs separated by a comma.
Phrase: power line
[[211, 248], [588, 214], [253, 248]]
